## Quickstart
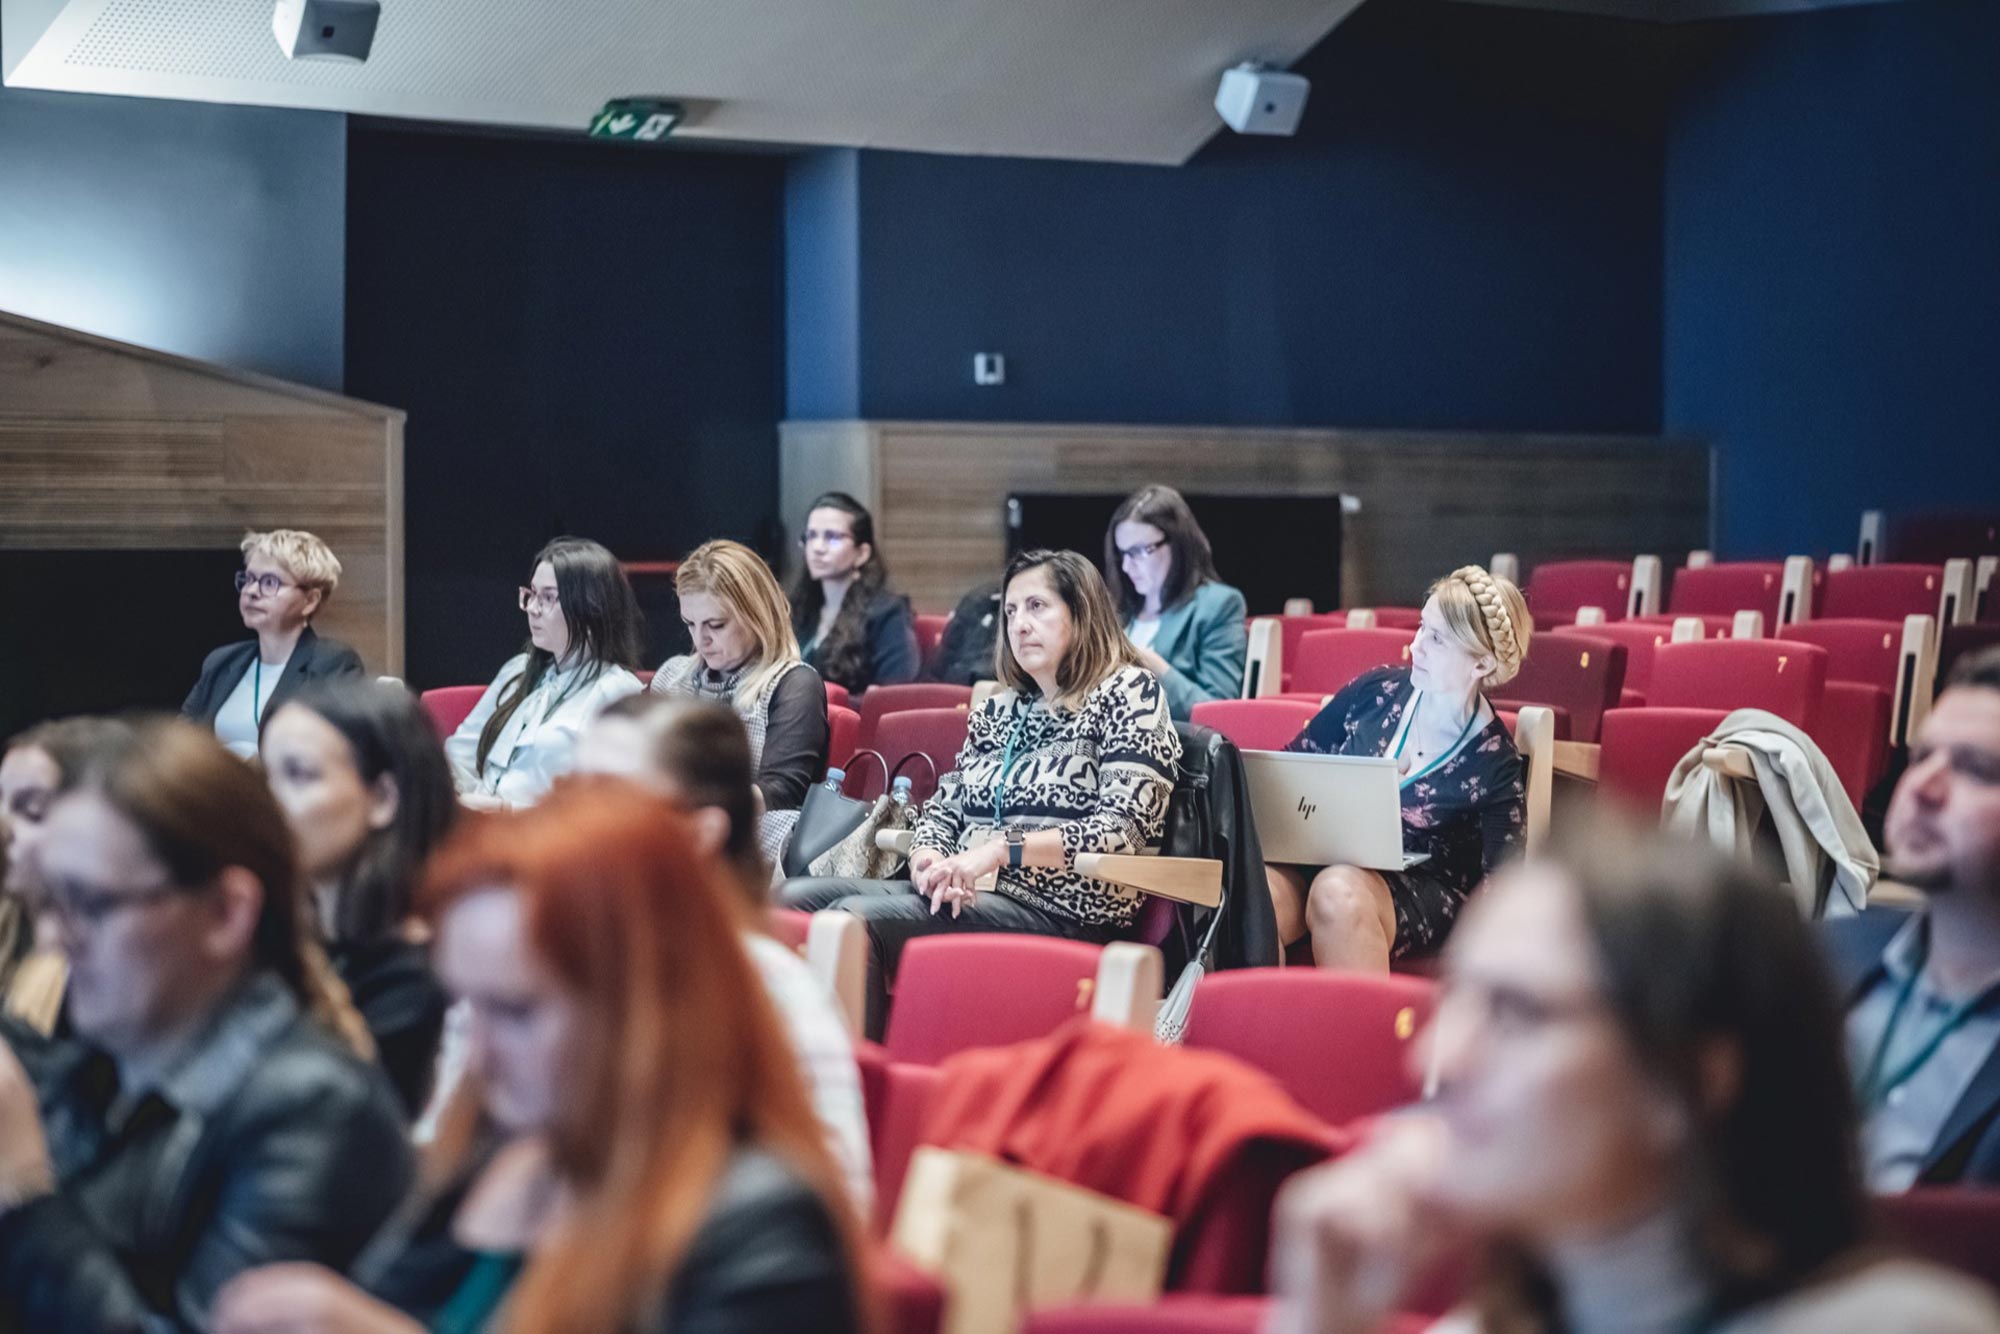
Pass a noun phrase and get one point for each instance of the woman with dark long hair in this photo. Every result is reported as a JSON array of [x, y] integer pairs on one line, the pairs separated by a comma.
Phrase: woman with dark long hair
[[1185, 624], [852, 629], [1076, 754], [365, 786], [1642, 1123], [662, 1167], [214, 1109], [584, 634]]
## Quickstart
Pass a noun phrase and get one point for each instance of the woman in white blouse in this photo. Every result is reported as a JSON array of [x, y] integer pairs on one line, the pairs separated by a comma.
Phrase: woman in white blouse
[[583, 637]]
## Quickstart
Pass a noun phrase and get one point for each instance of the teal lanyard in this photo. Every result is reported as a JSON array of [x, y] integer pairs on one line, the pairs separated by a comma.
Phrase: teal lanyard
[[1877, 1084], [1006, 765], [1404, 740], [257, 692]]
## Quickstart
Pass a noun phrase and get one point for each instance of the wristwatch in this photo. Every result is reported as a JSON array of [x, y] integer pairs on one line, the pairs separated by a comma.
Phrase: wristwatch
[[1016, 844]]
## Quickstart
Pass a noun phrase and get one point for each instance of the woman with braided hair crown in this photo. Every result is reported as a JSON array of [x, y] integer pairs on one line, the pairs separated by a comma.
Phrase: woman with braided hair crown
[[1463, 783]]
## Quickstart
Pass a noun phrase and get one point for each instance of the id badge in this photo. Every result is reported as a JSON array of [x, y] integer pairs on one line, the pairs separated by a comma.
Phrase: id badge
[[980, 837]]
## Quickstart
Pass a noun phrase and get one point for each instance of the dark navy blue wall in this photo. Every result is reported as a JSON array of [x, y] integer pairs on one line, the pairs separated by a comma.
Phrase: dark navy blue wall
[[823, 285], [587, 338], [1833, 277], [1465, 233], [208, 231]]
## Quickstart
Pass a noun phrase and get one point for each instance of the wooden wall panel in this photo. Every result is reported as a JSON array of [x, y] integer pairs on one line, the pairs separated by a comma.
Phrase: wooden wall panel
[[108, 446], [1427, 501]]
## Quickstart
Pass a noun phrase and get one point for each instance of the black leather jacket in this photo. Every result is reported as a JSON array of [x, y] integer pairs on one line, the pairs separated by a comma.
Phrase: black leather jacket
[[269, 1141], [767, 1257]]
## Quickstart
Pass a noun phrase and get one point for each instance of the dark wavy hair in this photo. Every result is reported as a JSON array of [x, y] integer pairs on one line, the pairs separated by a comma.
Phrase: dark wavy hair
[[1194, 564], [605, 627], [1697, 952], [843, 654], [387, 732]]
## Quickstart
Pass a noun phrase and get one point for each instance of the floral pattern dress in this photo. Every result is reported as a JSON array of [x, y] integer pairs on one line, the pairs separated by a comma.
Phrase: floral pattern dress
[[1469, 813]]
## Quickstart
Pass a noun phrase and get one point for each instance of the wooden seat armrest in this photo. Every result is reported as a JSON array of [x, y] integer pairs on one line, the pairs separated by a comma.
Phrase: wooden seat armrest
[[1577, 759], [1196, 880], [1730, 761], [895, 840], [837, 953]]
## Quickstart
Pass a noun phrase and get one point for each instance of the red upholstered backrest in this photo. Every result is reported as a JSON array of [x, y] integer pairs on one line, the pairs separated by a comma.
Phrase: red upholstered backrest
[[1398, 618], [1853, 732], [977, 990], [836, 693], [843, 734], [895, 1097], [1575, 670], [1640, 641], [1777, 675], [1329, 659], [920, 744], [1558, 588], [1884, 592], [1956, 1228], [1857, 648], [449, 706], [929, 629], [1724, 590], [1291, 629], [1641, 748], [914, 695], [1338, 1041], [788, 926], [1256, 724]]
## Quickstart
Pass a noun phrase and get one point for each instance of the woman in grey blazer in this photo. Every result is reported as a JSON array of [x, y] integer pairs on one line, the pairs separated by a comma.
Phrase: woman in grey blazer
[[1187, 625]]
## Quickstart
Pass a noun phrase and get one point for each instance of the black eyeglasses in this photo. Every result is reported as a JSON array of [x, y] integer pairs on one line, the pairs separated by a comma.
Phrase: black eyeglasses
[[832, 537], [547, 599], [79, 908], [1140, 552], [267, 584]]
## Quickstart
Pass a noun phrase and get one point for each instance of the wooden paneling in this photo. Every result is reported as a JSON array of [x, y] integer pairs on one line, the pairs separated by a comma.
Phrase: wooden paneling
[[108, 446], [1428, 501]]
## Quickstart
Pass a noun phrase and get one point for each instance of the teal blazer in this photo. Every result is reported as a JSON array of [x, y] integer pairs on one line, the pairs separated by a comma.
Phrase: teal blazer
[[1205, 639]]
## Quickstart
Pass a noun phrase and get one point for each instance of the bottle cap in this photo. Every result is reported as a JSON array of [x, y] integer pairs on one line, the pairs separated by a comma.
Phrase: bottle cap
[[834, 775]]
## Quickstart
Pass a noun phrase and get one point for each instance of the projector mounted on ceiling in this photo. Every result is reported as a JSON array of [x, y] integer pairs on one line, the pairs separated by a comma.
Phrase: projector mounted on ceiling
[[1253, 99], [326, 29]]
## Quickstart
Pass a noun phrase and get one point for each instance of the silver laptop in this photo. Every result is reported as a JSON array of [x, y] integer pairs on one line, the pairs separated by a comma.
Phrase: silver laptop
[[1323, 810]]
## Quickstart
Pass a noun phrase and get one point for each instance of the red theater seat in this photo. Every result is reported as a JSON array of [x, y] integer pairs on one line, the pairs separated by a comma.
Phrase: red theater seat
[[1256, 724], [1640, 640], [843, 735], [1338, 1042], [449, 706], [1577, 671], [1723, 590], [1640, 748], [1558, 589], [913, 695], [919, 744], [956, 992], [1329, 659], [1884, 592], [929, 629], [1776, 675]]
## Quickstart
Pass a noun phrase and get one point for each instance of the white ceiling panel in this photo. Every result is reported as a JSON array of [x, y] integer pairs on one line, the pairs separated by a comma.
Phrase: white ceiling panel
[[1121, 80]]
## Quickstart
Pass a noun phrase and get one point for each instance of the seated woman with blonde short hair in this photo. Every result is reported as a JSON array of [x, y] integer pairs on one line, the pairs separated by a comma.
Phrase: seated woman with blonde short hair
[[1464, 786], [286, 579]]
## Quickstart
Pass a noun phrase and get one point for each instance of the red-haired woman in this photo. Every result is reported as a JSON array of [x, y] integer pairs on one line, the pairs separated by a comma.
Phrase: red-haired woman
[[661, 1167]]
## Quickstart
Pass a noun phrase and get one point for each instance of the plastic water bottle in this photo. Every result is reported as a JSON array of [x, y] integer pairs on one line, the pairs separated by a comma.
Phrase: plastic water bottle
[[899, 794], [834, 778]]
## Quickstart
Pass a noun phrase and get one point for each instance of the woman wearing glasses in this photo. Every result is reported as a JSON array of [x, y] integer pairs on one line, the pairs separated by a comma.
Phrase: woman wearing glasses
[[583, 640], [852, 629], [286, 578], [1186, 624]]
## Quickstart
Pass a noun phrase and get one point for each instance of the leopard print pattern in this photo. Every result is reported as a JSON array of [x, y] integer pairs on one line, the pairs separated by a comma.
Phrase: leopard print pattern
[[1101, 774]]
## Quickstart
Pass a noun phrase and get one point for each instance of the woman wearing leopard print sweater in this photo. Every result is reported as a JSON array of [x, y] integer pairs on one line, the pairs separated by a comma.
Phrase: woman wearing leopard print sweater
[[1076, 755]]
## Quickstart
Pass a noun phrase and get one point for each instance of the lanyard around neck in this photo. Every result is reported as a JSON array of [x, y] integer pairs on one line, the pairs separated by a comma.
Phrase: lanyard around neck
[[1007, 758], [1403, 738], [1878, 1083]]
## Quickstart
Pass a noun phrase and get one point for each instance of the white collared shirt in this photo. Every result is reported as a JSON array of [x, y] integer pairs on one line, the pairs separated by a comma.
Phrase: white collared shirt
[[538, 744]]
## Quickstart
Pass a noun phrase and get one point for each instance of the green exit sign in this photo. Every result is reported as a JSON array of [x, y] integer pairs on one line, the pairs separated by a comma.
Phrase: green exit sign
[[642, 119]]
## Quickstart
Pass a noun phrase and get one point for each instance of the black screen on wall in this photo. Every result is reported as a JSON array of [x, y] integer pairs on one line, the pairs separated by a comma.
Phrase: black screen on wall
[[1270, 547]]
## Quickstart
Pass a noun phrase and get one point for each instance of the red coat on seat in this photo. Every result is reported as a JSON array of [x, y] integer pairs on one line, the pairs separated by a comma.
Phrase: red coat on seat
[[1197, 1136]]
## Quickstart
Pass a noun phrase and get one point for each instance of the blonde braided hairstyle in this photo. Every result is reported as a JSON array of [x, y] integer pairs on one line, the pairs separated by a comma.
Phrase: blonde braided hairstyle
[[1487, 615]]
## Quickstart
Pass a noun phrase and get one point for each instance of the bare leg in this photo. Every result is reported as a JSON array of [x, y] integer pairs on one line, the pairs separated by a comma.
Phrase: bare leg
[[1352, 918], [1288, 901]]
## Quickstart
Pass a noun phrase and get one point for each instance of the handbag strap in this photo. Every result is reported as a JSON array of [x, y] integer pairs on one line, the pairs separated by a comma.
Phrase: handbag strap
[[929, 763], [875, 755]]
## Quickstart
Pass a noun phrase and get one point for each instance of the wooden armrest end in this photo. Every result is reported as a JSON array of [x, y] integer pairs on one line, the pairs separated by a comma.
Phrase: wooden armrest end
[[1196, 880]]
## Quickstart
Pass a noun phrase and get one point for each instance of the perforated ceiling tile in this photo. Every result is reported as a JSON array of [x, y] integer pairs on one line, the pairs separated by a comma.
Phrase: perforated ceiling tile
[[1118, 79]]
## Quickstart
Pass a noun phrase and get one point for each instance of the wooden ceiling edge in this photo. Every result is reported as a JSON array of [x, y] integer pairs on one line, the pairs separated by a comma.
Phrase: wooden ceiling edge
[[212, 370]]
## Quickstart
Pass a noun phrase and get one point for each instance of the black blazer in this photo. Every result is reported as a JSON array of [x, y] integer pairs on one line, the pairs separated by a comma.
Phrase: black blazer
[[313, 659], [1967, 1151]]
